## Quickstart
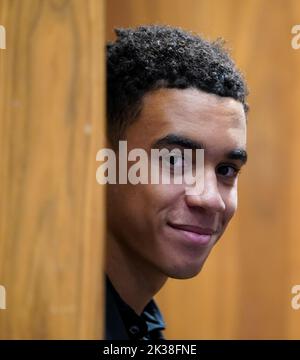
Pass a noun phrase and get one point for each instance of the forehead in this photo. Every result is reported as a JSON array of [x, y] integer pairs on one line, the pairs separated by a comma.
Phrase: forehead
[[198, 115]]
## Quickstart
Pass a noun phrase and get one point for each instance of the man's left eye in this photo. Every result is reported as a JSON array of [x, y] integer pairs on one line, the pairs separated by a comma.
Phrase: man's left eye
[[227, 171]]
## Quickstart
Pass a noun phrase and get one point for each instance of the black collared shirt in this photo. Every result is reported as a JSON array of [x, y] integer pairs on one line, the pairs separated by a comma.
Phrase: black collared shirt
[[123, 323]]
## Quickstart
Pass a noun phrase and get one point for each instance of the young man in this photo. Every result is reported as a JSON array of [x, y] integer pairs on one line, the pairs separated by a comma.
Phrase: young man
[[168, 88]]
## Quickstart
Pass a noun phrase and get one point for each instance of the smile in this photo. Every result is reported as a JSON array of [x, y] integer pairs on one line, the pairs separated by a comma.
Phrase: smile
[[195, 234]]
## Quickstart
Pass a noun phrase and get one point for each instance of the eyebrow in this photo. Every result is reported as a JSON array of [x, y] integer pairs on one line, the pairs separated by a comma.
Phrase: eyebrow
[[238, 154], [187, 143], [174, 139]]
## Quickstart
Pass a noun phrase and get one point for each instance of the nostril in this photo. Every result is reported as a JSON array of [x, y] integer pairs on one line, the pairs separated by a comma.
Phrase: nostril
[[212, 202]]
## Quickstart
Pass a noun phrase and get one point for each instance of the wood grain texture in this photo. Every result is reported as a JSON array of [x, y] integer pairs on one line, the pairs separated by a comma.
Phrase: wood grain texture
[[244, 290], [52, 124]]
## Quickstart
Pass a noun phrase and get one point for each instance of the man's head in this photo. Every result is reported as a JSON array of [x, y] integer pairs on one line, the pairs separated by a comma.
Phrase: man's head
[[168, 88]]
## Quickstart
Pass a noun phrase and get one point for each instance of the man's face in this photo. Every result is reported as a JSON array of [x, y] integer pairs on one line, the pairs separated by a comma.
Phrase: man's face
[[158, 225]]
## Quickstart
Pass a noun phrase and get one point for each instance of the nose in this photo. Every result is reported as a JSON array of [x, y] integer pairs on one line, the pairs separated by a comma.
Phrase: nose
[[210, 198]]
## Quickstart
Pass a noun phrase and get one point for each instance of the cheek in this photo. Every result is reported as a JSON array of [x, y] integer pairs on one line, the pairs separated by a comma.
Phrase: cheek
[[142, 204], [230, 199], [166, 195]]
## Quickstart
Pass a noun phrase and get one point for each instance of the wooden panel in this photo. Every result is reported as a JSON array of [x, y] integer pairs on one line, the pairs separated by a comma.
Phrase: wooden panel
[[244, 290], [51, 126]]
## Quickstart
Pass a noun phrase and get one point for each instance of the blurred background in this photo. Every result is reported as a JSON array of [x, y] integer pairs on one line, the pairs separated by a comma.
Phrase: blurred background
[[52, 211]]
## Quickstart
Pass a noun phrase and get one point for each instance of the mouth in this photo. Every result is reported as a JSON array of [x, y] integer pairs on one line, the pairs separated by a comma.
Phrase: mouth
[[192, 233]]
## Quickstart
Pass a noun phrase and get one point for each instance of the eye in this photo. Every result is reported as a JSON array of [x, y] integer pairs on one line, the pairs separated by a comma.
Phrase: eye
[[228, 171], [174, 159]]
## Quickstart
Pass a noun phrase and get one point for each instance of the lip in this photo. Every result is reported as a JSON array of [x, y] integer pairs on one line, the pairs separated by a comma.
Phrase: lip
[[195, 234]]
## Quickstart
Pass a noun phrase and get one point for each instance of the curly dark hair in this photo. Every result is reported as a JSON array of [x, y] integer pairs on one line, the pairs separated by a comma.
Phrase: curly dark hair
[[156, 56]]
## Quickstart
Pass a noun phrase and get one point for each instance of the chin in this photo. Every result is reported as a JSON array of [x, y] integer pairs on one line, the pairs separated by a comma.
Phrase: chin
[[185, 272]]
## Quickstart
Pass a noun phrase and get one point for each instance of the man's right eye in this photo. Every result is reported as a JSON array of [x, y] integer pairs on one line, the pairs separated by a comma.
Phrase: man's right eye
[[174, 159]]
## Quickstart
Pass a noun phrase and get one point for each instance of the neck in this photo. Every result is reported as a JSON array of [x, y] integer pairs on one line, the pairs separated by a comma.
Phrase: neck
[[135, 280]]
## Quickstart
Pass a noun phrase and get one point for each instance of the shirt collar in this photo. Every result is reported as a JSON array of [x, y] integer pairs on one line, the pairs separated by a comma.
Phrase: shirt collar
[[138, 326]]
